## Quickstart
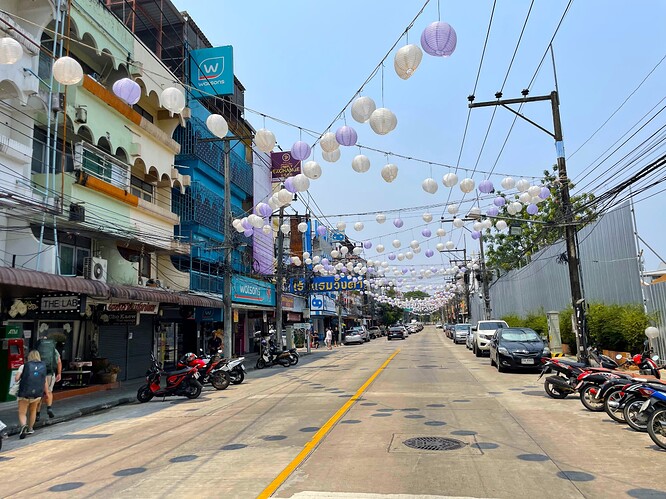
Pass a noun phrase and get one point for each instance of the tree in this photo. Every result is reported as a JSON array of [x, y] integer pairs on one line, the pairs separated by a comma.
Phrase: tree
[[415, 294], [507, 252]]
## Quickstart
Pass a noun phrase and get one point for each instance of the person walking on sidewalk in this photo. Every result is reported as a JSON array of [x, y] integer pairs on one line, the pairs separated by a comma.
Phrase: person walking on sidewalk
[[32, 385], [328, 338], [51, 358]]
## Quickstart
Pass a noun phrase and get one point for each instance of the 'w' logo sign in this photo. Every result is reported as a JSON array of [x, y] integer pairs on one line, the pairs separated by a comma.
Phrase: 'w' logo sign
[[211, 68]]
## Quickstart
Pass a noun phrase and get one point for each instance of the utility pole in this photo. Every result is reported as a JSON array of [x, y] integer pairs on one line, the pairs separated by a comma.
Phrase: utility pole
[[484, 282], [570, 228], [228, 248], [278, 280]]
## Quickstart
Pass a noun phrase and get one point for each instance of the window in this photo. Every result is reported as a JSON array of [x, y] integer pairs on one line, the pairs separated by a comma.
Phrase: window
[[142, 189], [72, 259], [140, 259], [39, 154], [99, 164], [143, 112]]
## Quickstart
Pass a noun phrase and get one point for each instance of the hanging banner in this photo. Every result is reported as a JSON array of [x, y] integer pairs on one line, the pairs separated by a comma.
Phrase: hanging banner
[[283, 165], [326, 283], [212, 71]]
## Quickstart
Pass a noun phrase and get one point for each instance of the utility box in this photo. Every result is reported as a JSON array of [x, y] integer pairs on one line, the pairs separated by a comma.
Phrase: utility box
[[554, 338], [11, 358]]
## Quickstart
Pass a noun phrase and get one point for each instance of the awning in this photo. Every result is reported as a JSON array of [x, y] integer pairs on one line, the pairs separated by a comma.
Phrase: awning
[[158, 295], [244, 306], [43, 281]]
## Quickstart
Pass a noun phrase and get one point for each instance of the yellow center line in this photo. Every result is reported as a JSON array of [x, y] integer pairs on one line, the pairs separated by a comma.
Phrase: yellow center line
[[323, 431]]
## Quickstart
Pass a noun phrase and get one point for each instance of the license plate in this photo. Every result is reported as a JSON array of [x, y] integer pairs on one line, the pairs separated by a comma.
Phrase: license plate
[[645, 405], [527, 361]]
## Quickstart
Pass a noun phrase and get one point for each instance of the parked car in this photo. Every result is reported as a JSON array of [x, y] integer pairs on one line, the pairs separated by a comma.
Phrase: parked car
[[460, 332], [449, 330], [517, 348], [483, 333], [364, 332], [353, 336], [439, 325], [469, 341], [396, 332], [374, 332], [412, 328]]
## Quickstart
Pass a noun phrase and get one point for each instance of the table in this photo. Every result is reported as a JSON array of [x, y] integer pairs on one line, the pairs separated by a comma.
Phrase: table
[[77, 375]]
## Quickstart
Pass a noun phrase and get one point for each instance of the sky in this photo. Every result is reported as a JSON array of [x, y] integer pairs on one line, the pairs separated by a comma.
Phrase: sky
[[303, 61]]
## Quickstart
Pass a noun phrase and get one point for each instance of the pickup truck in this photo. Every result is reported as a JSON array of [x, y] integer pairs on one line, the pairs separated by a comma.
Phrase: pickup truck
[[482, 333]]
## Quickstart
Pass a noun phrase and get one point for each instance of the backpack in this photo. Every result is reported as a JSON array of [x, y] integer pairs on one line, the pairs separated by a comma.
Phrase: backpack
[[32, 380], [47, 351]]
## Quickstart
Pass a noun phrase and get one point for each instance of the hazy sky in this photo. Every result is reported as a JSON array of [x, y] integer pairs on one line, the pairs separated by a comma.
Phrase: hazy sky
[[302, 61]]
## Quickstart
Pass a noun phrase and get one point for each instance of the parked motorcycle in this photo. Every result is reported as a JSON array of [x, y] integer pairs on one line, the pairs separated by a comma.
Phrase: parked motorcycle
[[210, 369], [178, 382], [294, 356], [235, 369], [656, 426], [269, 355]]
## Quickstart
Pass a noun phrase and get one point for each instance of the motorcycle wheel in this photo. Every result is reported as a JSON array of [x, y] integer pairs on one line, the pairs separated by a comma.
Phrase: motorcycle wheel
[[144, 394], [284, 362], [194, 390], [261, 363], [220, 380], [612, 406], [293, 360], [553, 391], [589, 401], [237, 377], [657, 427], [633, 416]]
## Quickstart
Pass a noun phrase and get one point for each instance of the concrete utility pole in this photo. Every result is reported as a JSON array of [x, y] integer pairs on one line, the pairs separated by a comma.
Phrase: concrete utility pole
[[278, 281], [228, 248], [570, 227], [487, 313]]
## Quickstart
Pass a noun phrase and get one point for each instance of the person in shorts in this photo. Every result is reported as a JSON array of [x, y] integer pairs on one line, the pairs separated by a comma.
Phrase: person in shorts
[[32, 385], [51, 358], [328, 338]]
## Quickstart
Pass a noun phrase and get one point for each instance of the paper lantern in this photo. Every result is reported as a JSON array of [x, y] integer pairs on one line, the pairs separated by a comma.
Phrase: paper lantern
[[256, 221], [245, 223], [396, 243], [263, 210], [518, 207], [362, 108], [652, 332], [532, 209], [357, 251], [341, 226], [450, 179], [332, 156], [427, 217], [440, 232], [439, 39], [248, 232], [236, 224], [458, 223], [398, 222], [440, 246], [361, 163], [406, 60], [414, 244], [450, 245], [391, 256], [358, 226], [474, 212], [284, 228], [173, 100], [289, 185], [367, 244], [534, 190], [383, 121], [321, 230], [499, 201], [476, 234], [467, 185], [508, 183], [493, 211], [409, 255], [500, 225], [302, 227], [130, 91], [311, 169], [10, 50], [426, 232], [389, 172], [429, 253], [477, 226], [267, 229], [346, 136], [401, 257], [344, 250], [300, 150], [335, 254], [487, 223], [328, 142], [525, 198], [486, 186], [301, 182], [522, 185], [429, 185], [544, 193], [68, 71], [380, 218], [380, 248], [264, 140], [452, 209], [284, 196]]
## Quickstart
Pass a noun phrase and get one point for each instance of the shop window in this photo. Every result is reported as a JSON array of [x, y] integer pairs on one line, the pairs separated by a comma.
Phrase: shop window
[[142, 189]]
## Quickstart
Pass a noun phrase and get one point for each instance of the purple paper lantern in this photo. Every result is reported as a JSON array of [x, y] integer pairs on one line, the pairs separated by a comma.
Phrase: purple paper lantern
[[486, 187], [246, 224], [476, 234], [398, 222], [248, 232], [325, 262], [289, 185], [263, 210], [346, 136], [545, 193], [391, 256], [128, 90], [429, 253], [532, 209], [321, 231], [499, 201], [426, 233], [439, 39], [493, 211], [300, 150], [367, 244]]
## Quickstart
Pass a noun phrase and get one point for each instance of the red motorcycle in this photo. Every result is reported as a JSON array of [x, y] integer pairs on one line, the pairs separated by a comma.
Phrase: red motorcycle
[[210, 369], [179, 382]]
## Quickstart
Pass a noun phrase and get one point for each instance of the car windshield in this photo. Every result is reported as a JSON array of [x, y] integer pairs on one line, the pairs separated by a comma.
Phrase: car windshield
[[491, 325], [353, 332], [462, 327], [520, 335]]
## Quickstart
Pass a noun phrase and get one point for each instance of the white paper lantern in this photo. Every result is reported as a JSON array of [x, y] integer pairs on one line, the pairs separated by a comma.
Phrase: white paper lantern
[[467, 185], [522, 185], [389, 172], [10, 50], [458, 223], [267, 229], [335, 254], [429, 185], [302, 227], [341, 226], [440, 246], [406, 60], [487, 223], [474, 212], [525, 198], [450, 179], [383, 121], [236, 224], [68, 71], [401, 256], [500, 225], [440, 232], [358, 226], [477, 226], [284, 196], [452, 209], [396, 243], [284, 228], [256, 221], [534, 190], [264, 140], [173, 100], [508, 183], [414, 244], [427, 217], [511, 209], [332, 156], [362, 108], [311, 169], [409, 255], [380, 218], [344, 250], [380, 248], [217, 125], [301, 182], [328, 142], [361, 163], [450, 245]]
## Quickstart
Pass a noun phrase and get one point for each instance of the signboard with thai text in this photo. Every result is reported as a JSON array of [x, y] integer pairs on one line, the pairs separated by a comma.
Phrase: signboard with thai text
[[283, 165], [141, 307]]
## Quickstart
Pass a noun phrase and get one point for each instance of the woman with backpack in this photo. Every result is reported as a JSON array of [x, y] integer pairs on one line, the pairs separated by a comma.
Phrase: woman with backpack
[[32, 385]]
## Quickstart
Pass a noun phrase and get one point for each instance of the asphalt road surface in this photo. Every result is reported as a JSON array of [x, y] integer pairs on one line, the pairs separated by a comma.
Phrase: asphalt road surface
[[336, 425]]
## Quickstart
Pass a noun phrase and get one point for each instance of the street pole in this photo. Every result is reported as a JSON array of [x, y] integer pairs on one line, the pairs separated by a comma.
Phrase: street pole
[[484, 282], [228, 245], [278, 280], [570, 229]]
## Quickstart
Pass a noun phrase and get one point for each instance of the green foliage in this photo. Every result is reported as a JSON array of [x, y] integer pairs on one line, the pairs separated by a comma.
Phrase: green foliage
[[415, 294], [533, 320], [566, 329], [513, 320]]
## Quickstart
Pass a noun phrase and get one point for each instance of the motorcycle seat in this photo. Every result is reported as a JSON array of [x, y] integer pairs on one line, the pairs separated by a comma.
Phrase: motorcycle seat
[[178, 371], [573, 363]]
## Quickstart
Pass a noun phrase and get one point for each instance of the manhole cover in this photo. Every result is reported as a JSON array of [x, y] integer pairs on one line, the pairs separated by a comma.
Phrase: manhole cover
[[434, 443]]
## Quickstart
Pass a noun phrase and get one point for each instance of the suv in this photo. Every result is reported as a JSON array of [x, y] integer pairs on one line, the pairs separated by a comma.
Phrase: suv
[[482, 333], [364, 332], [374, 332]]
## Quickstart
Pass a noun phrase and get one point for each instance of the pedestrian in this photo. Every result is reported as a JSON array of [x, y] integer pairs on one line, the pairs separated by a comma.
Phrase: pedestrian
[[32, 385], [335, 337], [215, 342], [328, 338], [51, 358]]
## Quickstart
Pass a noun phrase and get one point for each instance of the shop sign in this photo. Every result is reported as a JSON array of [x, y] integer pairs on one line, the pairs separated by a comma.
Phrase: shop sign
[[141, 307], [119, 318], [321, 303], [208, 314], [326, 284], [248, 290], [288, 302], [283, 165], [212, 71], [293, 316], [67, 303]]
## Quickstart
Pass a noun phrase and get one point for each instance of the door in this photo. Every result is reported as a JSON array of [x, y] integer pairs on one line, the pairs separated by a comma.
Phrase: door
[[139, 347], [113, 346]]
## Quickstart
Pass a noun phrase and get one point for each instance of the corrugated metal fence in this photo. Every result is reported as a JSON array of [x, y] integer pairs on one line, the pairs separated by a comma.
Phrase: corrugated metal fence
[[655, 298]]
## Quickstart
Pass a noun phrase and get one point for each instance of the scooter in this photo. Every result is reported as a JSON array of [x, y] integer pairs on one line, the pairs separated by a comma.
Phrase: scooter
[[235, 369], [269, 356], [179, 382], [210, 369]]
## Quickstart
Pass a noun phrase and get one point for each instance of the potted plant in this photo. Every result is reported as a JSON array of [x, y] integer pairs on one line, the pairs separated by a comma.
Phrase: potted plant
[[109, 374]]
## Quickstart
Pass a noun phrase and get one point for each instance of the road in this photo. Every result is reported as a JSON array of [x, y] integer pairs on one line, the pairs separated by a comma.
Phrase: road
[[515, 441]]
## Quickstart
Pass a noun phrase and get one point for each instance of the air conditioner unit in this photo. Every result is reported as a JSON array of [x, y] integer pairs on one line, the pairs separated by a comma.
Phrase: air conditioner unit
[[94, 269], [81, 115]]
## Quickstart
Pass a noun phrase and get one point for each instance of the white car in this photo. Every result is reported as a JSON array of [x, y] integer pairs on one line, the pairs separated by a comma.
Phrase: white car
[[461, 332], [482, 334], [353, 336]]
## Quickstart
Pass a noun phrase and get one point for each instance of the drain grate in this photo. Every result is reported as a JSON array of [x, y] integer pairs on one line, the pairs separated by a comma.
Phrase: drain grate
[[434, 443]]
